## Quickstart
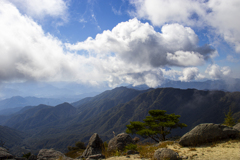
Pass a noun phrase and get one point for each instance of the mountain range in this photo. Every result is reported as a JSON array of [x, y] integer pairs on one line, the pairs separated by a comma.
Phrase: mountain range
[[57, 127], [228, 85]]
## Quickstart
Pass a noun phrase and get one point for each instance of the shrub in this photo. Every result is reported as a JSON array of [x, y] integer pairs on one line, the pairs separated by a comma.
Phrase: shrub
[[229, 120], [105, 145], [27, 155], [131, 147], [80, 145]]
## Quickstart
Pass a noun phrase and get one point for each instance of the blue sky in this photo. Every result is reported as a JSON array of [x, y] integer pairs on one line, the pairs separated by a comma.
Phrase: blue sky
[[95, 42]]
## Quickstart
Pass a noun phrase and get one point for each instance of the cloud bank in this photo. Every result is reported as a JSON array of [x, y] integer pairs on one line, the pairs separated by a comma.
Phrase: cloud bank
[[217, 72], [132, 52], [138, 51], [42, 8], [220, 15], [191, 73]]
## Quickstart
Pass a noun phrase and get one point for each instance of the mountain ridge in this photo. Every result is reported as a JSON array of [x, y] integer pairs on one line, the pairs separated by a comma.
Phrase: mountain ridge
[[113, 110]]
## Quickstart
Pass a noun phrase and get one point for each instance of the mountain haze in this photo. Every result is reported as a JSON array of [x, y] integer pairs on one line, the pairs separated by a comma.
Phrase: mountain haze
[[63, 125]]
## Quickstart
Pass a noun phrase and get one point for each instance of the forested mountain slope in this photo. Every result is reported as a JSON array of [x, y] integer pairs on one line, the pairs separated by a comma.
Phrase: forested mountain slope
[[113, 110]]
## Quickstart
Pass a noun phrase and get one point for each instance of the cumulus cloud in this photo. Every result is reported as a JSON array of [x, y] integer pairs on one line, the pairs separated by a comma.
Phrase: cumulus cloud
[[139, 44], [42, 8], [27, 53], [137, 51], [132, 52], [191, 73], [216, 72], [171, 74], [221, 16], [167, 11]]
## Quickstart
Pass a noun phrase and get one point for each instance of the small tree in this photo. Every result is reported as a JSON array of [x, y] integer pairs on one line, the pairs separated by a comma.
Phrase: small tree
[[80, 145], [156, 126], [229, 120]]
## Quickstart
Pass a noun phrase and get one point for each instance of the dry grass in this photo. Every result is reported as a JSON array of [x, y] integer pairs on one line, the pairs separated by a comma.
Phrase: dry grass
[[192, 149], [221, 150]]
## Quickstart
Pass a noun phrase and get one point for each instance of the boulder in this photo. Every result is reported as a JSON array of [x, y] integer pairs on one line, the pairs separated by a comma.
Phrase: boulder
[[237, 127], [164, 153], [95, 146], [49, 154], [206, 133], [130, 152], [4, 154], [119, 142], [136, 140]]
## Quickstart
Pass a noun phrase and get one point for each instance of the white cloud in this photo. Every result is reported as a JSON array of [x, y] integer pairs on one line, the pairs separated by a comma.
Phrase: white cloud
[[132, 52], [191, 73], [181, 58], [27, 53], [230, 58], [161, 12], [216, 72], [220, 15], [139, 44], [171, 74], [42, 8], [224, 16]]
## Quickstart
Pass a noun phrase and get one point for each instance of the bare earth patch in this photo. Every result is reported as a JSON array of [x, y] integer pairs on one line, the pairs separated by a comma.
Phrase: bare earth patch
[[229, 150], [131, 157]]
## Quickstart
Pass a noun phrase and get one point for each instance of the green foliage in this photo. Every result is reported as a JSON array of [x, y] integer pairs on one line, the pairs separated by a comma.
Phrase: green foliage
[[156, 126], [27, 155], [80, 145], [131, 147], [229, 120], [117, 153], [105, 145]]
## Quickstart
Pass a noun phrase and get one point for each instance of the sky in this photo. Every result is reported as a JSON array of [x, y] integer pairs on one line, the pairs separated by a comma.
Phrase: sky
[[114, 42]]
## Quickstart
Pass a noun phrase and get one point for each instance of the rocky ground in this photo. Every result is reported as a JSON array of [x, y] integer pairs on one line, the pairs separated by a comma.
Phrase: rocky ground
[[225, 150]]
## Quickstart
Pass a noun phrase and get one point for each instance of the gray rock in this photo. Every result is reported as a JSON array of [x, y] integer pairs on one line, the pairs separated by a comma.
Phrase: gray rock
[[237, 127], [119, 142], [95, 146], [164, 153], [4, 154], [206, 133], [50, 154], [129, 152]]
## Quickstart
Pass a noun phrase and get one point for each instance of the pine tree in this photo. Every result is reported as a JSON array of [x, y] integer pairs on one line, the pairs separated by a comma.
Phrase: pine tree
[[229, 120], [156, 126]]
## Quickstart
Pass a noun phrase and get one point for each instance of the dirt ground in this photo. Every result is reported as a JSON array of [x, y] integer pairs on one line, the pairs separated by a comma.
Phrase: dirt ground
[[229, 150], [221, 151]]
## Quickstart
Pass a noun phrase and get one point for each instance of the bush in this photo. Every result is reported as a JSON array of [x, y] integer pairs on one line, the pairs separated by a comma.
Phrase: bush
[[105, 145], [80, 145], [27, 155], [229, 120], [131, 146]]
